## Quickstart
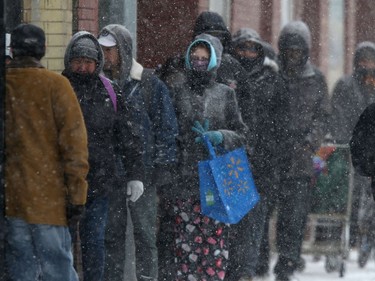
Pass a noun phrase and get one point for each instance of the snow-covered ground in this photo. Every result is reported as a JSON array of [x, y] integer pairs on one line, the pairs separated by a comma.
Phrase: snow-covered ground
[[315, 270]]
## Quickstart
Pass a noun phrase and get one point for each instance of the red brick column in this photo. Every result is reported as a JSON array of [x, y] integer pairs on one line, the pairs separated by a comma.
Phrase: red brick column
[[87, 13], [246, 14], [315, 15], [164, 29]]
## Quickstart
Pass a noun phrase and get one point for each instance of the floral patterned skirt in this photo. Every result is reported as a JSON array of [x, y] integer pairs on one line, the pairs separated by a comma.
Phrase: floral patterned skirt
[[201, 248]]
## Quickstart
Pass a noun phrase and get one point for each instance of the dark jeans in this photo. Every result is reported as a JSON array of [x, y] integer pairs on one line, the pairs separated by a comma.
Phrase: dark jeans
[[293, 205], [92, 231], [3, 274], [245, 240], [263, 264], [143, 215], [166, 236]]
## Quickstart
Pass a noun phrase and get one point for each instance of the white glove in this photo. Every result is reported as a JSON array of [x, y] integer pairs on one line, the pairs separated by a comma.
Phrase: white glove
[[134, 190]]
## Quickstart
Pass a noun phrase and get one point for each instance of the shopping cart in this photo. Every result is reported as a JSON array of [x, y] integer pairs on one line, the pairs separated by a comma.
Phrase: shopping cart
[[328, 224]]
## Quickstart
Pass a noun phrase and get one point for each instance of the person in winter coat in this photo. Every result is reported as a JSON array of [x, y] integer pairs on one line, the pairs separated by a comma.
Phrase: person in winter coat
[[362, 144], [230, 72], [308, 109], [351, 95], [149, 96], [201, 249], [263, 104], [362, 148], [112, 130], [46, 163]]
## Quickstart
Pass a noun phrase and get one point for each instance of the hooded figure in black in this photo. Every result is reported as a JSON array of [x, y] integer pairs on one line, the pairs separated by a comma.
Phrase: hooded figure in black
[[307, 96], [201, 102], [111, 131], [362, 148], [263, 104], [351, 95], [230, 72], [149, 96]]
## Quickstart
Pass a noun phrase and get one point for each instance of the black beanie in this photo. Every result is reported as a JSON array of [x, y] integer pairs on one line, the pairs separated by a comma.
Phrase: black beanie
[[28, 40], [84, 47], [209, 21]]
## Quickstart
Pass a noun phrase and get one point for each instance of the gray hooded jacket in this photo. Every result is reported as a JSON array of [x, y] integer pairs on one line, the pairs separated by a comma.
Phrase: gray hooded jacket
[[308, 98], [350, 97], [125, 42], [214, 102]]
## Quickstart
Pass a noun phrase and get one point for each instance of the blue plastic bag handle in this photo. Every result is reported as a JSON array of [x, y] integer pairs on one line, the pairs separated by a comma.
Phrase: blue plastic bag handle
[[209, 146]]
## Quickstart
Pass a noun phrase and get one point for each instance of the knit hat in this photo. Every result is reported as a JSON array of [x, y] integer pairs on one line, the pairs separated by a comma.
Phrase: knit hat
[[28, 40], [84, 47]]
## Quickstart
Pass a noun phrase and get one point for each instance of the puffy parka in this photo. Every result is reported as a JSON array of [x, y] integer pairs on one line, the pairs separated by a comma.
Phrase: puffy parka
[[201, 98], [110, 133], [308, 111]]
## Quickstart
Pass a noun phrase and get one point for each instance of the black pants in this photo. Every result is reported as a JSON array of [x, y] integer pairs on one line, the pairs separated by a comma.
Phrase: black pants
[[244, 242], [166, 236], [292, 203], [143, 215]]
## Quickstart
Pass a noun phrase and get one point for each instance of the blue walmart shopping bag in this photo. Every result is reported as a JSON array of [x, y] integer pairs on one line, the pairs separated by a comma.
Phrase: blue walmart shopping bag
[[227, 188]]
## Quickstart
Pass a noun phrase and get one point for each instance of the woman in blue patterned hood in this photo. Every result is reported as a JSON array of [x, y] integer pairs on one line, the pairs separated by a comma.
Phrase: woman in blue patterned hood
[[200, 244]]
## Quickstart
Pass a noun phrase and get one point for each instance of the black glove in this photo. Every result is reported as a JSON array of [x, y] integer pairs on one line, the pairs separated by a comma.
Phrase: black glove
[[74, 214]]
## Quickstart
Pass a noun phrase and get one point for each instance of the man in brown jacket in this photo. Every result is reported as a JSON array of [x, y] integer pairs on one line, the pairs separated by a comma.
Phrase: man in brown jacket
[[46, 163]]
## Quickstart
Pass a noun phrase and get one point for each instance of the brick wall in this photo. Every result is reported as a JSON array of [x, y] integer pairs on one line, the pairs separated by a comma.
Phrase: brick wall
[[246, 14], [164, 29], [87, 13], [365, 17], [315, 15], [55, 17], [203, 5]]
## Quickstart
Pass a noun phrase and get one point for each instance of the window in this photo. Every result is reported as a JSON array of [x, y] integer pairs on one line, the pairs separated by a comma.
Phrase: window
[[221, 7], [335, 41]]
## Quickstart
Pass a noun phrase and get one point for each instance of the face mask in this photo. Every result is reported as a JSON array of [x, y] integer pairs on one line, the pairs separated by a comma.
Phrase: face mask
[[249, 63], [366, 76], [82, 78], [199, 64]]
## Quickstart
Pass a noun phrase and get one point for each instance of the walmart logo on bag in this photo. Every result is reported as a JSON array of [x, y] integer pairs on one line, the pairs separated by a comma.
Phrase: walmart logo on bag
[[234, 182], [210, 201]]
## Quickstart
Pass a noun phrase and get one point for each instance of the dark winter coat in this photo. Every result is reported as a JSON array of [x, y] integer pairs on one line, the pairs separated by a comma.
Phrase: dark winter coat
[[213, 101], [110, 133], [362, 145], [362, 142], [350, 97], [263, 105], [149, 97], [308, 103]]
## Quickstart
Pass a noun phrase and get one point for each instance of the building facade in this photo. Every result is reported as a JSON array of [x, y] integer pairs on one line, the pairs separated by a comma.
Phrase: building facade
[[163, 28]]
